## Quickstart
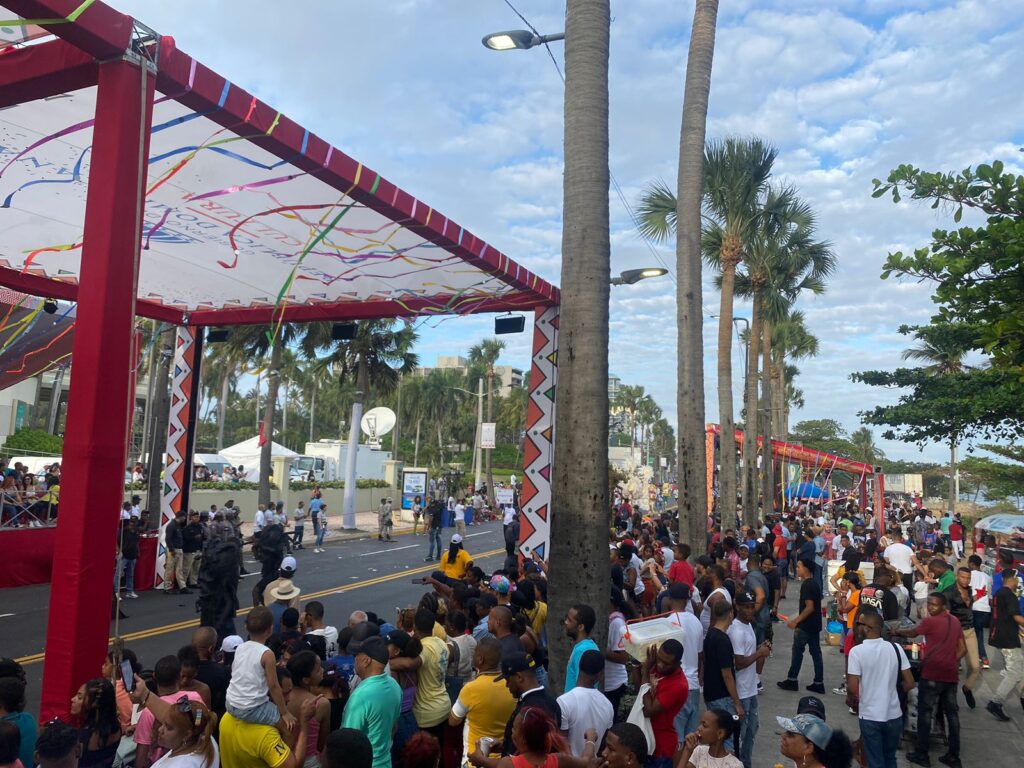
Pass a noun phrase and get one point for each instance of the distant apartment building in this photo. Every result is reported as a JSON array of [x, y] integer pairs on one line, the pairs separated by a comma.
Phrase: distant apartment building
[[506, 378]]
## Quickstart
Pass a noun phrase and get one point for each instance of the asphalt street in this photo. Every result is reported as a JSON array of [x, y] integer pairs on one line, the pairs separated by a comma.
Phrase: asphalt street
[[363, 574]]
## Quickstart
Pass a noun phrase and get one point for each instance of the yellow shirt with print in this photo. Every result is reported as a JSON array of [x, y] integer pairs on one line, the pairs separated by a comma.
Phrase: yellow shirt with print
[[248, 745], [432, 705], [488, 705]]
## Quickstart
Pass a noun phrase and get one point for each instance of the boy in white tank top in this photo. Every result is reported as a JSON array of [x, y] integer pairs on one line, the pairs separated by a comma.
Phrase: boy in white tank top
[[254, 694]]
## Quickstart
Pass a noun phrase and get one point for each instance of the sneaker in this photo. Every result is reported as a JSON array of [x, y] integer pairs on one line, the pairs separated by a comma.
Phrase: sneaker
[[788, 685], [132, 595], [950, 760], [186, 591], [170, 591], [852, 711], [918, 759], [840, 691], [816, 688], [969, 696], [760, 688], [985, 664], [997, 711], [428, 559]]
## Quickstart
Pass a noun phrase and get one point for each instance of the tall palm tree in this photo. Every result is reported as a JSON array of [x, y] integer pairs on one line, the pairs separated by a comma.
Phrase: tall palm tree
[[692, 458], [444, 397], [783, 260], [628, 399], [864, 444], [486, 354], [736, 173], [579, 563], [791, 341], [222, 364], [647, 414], [944, 355], [379, 354]]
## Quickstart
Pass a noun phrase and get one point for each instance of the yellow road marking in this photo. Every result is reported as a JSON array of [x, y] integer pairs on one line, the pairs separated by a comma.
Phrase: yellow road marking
[[143, 634]]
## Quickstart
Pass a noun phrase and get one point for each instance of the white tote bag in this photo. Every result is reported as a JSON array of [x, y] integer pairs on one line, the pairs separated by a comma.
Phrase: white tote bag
[[639, 719]]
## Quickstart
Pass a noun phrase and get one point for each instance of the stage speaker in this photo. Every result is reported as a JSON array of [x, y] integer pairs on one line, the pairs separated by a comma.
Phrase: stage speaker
[[513, 324], [217, 335], [343, 331]]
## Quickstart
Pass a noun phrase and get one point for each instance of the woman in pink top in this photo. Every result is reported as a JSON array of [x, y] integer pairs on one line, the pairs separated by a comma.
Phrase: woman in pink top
[[307, 672]]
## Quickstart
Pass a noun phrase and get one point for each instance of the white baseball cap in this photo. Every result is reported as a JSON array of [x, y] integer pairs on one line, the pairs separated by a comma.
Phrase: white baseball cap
[[457, 539], [230, 643], [289, 564]]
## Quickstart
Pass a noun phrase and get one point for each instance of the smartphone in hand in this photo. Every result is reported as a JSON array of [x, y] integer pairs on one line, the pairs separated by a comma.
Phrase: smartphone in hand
[[127, 675]]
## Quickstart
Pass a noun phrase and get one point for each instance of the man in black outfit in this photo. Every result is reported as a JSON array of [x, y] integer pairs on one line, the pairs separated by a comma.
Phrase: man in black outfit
[[192, 536], [719, 663], [215, 675], [806, 628], [520, 678]]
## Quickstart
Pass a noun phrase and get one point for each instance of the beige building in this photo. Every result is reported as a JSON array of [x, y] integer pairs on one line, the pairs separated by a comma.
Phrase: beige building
[[506, 377]]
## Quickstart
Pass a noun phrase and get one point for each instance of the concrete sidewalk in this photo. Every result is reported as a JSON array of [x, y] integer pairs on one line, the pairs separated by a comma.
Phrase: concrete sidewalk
[[984, 740]]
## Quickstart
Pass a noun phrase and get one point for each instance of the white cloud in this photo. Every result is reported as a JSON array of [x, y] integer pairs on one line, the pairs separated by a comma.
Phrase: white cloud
[[847, 90]]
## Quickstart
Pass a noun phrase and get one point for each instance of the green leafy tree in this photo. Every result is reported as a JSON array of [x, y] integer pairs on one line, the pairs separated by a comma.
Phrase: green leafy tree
[[977, 271]]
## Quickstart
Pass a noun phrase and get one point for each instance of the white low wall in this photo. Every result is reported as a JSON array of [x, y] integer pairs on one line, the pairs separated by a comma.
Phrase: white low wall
[[367, 500]]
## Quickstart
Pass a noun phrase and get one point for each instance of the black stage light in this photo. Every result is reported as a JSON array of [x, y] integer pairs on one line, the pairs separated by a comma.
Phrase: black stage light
[[510, 324]]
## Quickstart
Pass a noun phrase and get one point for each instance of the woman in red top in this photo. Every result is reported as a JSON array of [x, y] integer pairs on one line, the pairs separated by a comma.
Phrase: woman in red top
[[539, 744]]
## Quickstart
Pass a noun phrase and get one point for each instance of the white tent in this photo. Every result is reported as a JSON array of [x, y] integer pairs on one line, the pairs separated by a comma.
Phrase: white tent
[[247, 454]]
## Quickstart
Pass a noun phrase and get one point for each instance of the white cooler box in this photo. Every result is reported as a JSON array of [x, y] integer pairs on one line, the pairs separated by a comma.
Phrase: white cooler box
[[643, 634]]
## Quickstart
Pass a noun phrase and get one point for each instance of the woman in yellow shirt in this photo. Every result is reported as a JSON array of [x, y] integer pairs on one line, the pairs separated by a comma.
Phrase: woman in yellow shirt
[[456, 561]]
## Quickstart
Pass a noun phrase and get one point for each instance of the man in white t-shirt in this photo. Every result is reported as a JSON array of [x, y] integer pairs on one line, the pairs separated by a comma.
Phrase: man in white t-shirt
[[615, 656], [749, 659], [981, 608], [585, 707], [260, 521], [460, 517], [687, 720], [901, 557], [873, 667]]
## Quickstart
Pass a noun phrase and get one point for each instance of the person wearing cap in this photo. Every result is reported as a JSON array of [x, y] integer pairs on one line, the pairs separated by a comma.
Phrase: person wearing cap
[[749, 658], [811, 705], [874, 668], [584, 707], [1006, 631], [811, 743], [519, 675], [456, 560], [286, 573], [375, 704], [485, 703], [282, 595], [693, 656]]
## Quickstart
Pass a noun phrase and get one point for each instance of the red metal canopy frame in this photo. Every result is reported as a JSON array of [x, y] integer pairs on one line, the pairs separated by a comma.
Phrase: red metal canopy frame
[[810, 458], [98, 47]]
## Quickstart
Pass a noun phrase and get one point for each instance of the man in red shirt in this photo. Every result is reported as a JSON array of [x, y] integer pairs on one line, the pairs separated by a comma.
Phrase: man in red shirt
[[681, 570], [956, 538], [667, 695], [940, 675]]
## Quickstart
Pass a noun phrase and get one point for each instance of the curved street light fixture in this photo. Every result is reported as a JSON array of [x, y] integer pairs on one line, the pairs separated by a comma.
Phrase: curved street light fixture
[[631, 276], [518, 38]]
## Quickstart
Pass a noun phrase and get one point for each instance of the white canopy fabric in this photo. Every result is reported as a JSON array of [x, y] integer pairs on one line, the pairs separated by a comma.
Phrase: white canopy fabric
[[247, 454]]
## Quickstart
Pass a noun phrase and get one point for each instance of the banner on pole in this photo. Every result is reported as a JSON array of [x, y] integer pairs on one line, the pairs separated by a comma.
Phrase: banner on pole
[[487, 435]]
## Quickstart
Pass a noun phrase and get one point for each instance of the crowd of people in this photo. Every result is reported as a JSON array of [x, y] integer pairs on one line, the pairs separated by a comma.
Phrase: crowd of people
[[28, 500], [464, 676]]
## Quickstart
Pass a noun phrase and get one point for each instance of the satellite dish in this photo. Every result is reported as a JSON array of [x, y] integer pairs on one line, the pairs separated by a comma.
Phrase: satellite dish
[[376, 423]]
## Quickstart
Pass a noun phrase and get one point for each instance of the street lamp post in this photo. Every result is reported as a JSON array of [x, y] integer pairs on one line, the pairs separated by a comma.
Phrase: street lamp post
[[517, 38], [632, 276], [479, 395]]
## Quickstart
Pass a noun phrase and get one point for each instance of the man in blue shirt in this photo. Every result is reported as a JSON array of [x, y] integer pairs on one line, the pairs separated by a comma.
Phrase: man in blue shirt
[[579, 623]]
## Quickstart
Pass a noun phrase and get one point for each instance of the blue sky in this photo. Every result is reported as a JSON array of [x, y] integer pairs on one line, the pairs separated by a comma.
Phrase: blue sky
[[846, 89]]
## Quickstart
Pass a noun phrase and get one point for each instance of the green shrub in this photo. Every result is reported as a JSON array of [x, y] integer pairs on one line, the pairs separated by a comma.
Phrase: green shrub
[[360, 483], [33, 441]]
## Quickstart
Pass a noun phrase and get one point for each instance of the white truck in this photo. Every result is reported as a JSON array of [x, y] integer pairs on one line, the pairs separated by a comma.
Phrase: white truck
[[326, 460]]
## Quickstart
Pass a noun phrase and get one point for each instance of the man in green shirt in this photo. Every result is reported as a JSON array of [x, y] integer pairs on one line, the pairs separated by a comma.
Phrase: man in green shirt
[[375, 704], [942, 573], [944, 522]]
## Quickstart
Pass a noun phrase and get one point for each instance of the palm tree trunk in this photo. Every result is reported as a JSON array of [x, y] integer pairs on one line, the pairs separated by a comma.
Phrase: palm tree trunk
[[691, 457], [273, 381], [579, 564], [767, 465], [750, 416], [490, 419], [312, 411], [222, 407], [151, 377], [440, 443], [416, 450], [161, 414], [396, 435], [284, 415], [779, 400], [257, 396], [951, 504], [727, 441]]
